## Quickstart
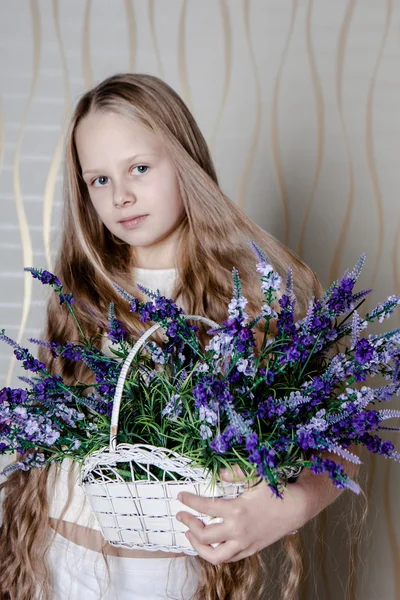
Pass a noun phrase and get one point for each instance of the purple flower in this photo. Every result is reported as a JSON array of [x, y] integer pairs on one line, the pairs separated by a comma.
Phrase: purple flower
[[28, 361], [364, 351], [386, 447], [292, 354], [306, 439], [384, 310], [44, 277], [222, 443], [72, 351], [174, 407], [252, 442], [15, 396], [269, 377], [285, 322], [341, 297], [265, 459], [270, 408], [52, 346], [210, 389], [116, 332], [134, 305], [219, 445], [66, 299]]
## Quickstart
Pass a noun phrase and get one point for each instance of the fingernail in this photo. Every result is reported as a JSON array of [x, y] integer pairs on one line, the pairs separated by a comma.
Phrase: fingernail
[[179, 496], [178, 518]]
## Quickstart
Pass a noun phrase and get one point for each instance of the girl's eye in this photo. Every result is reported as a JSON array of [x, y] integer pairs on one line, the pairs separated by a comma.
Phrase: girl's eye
[[142, 169], [102, 181]]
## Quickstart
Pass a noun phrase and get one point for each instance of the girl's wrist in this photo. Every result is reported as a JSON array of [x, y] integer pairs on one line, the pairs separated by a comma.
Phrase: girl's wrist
[[313, 494]]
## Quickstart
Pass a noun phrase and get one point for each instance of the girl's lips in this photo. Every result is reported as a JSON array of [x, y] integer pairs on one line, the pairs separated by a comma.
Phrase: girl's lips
[[132, 223]]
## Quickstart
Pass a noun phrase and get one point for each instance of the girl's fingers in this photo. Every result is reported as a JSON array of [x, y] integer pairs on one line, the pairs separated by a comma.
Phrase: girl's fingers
[[232, 474], [240, 556], [214, 507], [222, 553], [205, 534]]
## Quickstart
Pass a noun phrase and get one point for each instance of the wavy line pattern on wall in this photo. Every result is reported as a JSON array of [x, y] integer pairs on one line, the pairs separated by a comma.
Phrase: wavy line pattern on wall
[[370, 146], [227, 36], [319, 120], [353, 23], [389, 480], [255, 135], [371, 162], [274, 126], [55, 162], [154, 38], [340, 61], [182, 58], [26, 241]]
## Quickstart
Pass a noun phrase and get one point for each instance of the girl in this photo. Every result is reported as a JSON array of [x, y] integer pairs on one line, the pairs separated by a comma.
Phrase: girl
[[142, 204]]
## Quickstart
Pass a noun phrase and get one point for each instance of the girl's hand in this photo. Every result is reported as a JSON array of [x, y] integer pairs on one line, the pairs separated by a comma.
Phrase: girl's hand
[[254, 520]]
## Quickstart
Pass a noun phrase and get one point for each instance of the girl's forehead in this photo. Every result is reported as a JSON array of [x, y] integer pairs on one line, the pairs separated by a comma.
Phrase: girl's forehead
[[107, 131]]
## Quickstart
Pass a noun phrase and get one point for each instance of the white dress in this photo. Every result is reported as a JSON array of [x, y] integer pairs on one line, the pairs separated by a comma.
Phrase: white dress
[[80, 574]]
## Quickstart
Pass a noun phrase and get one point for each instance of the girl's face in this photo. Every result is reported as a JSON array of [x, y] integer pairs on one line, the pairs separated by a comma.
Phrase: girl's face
[[129, 174]]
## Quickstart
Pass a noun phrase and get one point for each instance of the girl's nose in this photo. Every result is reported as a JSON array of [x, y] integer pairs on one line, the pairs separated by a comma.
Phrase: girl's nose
[[125, 200]]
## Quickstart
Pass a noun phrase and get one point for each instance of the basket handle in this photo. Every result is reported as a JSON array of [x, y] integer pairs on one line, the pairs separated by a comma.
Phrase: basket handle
[[124, 371]]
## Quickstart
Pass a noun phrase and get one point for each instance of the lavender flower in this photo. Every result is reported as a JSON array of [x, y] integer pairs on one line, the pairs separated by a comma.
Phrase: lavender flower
[[357, 326], [226, 400], [28, 361], [156, 353], [174, 407], [236, 307], [364, 351], [205, 432], [45, 277], [384, 310], [66, 299], [52, 346], [116, 332]]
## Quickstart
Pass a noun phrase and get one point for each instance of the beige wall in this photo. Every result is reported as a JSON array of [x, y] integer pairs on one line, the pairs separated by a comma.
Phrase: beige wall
[[300, 103]]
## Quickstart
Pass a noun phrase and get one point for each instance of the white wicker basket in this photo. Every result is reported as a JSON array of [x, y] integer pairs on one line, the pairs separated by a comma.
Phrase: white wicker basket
[[140, 514]]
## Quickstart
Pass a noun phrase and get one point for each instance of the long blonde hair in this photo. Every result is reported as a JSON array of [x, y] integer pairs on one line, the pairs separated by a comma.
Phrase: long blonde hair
[[214, 238]]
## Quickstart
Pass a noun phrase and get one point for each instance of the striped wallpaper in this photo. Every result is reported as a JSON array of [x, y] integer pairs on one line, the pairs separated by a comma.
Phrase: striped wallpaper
[[299, 101]]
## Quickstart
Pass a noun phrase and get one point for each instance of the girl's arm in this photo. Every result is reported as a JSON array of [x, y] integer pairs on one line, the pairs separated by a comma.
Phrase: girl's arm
[[257, 518]]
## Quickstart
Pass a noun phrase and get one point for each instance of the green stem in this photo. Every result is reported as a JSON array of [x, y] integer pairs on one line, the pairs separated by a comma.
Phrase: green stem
[[80, 330], [309, 357]]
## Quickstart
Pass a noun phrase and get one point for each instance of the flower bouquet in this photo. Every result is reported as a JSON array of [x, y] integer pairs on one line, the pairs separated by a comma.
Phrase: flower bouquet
[[181, 412]]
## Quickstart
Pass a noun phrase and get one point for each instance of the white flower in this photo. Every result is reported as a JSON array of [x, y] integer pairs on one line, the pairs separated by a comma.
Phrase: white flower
[[267, 311], [205, 432], [202, 367], [243, 365], [222, 345], [264, 268], [208, 415], [236, 305]]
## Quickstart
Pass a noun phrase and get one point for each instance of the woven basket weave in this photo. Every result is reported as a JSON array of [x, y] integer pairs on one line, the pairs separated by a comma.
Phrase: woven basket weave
[[140, 514]]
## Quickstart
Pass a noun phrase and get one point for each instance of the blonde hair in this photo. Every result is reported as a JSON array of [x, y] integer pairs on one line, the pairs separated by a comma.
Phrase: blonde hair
[[214, 238]]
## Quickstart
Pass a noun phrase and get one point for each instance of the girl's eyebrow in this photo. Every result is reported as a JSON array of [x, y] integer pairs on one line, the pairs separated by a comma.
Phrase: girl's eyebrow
[[125, 160]]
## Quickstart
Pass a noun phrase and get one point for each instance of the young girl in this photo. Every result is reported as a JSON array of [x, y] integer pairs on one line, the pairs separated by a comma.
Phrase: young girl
[[142, 204]]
